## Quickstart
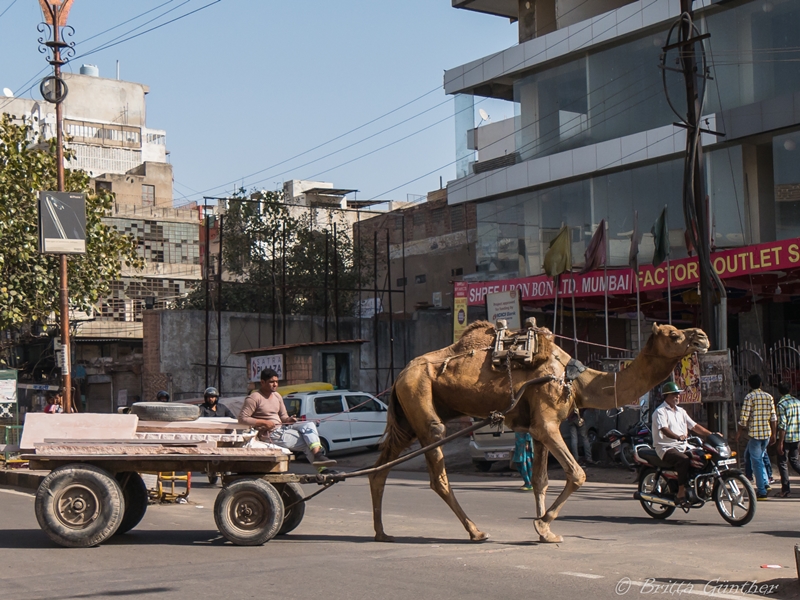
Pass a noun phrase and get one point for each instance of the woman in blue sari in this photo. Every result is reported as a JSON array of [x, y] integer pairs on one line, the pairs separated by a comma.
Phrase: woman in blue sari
[[523, 458]]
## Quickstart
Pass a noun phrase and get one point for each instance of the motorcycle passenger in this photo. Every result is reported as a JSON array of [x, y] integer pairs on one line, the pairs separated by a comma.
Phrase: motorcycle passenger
[[671, 427], [162, 396]]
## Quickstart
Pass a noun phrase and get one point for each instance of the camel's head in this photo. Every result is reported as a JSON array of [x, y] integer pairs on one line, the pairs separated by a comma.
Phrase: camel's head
[[671, 342]]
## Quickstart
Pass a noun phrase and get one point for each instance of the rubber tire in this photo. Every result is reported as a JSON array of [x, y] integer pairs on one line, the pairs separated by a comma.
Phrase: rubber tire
[[661, 514], [251, 491], [165, 411], [484, 466], [748, 489], [291, 493], [136, 499], [325, 445], [626, 455], [106, 493]]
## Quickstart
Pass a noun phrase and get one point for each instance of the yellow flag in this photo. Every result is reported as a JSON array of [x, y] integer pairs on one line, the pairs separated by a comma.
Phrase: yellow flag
[[559, 257]]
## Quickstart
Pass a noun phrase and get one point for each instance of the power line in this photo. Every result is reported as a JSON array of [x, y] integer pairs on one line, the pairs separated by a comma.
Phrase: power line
[[13, 2]]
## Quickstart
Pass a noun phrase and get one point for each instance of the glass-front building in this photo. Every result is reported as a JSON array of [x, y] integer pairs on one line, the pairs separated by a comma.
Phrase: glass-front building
[[579, 89]]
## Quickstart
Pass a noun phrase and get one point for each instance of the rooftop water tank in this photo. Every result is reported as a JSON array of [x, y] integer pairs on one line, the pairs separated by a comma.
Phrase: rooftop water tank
[[90, 70]]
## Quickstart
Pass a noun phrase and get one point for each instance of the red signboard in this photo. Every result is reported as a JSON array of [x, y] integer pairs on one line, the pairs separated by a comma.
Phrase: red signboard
[[747, 260]]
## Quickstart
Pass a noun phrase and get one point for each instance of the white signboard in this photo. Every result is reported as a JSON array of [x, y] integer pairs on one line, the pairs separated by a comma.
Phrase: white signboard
[[8, 387], [270, 361], [122, 398], [504, 305]]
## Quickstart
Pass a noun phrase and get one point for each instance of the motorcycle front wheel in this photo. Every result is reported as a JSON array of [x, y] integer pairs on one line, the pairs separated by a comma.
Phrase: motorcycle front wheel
[[735, 499], [653, 483]]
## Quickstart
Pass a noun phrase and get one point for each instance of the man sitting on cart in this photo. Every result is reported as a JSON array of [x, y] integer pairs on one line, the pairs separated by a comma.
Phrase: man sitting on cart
[[264, 410]]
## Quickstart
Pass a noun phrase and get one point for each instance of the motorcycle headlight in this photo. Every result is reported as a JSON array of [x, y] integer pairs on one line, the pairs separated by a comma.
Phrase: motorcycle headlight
[[724, 452]]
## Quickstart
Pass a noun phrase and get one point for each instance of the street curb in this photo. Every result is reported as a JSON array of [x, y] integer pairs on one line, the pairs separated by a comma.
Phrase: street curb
[[22, 478]]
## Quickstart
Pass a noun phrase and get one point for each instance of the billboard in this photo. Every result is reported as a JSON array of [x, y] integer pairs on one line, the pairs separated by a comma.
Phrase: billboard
[[62, 223]]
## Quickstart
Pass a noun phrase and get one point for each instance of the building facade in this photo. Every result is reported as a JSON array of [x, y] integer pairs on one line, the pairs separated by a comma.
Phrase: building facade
[[593, 138], [108, 137]]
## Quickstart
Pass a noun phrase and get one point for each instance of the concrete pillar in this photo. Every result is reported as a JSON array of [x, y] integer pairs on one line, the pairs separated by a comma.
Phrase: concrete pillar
[[527, 20], [545, 16], [759, 193]]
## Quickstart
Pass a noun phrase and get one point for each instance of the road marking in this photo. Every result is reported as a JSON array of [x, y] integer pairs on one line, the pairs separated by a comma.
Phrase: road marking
[[15, 492], [584, 575]]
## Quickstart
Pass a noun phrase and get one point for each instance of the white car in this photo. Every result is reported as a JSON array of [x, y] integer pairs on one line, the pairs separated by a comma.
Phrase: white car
[[344, 419]]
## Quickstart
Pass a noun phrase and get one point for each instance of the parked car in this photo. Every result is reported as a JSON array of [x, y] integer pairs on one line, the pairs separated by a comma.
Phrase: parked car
[[488, 445], [345, 419]]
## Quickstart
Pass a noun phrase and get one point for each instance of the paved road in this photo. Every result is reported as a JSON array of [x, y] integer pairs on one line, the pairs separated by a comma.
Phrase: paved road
[[177, 553]]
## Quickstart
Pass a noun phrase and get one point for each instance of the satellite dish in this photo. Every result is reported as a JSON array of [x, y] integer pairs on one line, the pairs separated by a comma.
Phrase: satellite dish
[[483, 115], [8, 93]]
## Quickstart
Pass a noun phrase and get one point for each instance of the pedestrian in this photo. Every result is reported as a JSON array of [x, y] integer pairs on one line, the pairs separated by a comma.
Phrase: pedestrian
[[788, 436], [578, 432], [759, 417], [523, 458]]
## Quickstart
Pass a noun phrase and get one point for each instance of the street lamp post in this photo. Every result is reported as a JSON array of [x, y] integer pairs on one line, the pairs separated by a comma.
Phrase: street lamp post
[[54, 90]]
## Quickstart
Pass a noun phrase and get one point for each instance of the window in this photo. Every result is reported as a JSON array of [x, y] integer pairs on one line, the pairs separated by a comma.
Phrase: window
[[148, 195], [419, 279], [401, 281], [104, 186], [328, 405], [362, 404], [457, 272]]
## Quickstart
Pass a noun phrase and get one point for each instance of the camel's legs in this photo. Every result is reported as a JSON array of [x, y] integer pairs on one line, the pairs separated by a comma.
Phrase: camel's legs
[[540, 481], [575, 479], [441, 485], [377, 485]]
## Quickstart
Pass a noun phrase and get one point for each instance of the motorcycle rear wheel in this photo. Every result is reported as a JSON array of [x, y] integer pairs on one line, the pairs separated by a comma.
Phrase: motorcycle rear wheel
[[735, 499], [626, 455], [652, 483]]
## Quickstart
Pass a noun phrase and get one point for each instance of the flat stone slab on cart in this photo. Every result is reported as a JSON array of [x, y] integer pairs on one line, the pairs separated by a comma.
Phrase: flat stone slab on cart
[[76, 426]]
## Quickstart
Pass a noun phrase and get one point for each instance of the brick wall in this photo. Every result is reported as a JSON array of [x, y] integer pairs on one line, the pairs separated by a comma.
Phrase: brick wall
[[153, 379], [299, 369]]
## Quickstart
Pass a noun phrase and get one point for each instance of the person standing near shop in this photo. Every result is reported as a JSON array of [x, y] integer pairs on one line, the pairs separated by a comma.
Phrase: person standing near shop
[[759, 417], [788, 436]]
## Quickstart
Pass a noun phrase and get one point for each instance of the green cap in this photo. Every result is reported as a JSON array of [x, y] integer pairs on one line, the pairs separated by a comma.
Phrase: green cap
[[670, 388]]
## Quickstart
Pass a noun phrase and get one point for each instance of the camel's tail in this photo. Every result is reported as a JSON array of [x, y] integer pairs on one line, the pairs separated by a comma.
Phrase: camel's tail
[[398, 430]]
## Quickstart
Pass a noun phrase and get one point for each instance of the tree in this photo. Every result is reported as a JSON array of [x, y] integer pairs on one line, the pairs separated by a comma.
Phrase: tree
[[29, 281], [263, 237]]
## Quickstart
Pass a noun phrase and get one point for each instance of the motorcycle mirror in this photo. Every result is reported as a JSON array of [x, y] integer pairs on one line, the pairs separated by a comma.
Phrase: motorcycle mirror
[[613, 412]]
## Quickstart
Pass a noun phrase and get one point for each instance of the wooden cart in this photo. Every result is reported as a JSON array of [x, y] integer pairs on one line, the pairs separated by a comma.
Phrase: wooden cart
[[94, 491]]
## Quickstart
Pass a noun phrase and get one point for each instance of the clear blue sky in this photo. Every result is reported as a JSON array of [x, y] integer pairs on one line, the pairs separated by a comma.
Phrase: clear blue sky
[[245, 84]]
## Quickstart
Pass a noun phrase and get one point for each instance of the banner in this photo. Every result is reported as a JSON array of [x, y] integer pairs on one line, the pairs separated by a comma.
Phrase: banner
[[687, 378], [459, 309], [62, 223], [684, 272]]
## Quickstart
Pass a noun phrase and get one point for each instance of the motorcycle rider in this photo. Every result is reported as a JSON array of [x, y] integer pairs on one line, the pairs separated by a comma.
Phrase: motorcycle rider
[[211, 406], [671, 427]]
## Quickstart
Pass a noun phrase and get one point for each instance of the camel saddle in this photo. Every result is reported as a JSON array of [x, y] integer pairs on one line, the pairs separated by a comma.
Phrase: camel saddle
[[520, 346]]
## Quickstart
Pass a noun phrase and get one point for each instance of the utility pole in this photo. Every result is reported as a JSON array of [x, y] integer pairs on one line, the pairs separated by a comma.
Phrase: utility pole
[[55, 90], [692, 63]]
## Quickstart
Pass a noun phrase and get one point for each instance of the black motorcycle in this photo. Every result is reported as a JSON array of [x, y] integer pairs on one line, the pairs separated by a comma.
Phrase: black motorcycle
[[619, 446], [712, 478]]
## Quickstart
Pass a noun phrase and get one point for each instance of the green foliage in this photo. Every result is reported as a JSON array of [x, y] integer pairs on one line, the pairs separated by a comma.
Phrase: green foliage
[[29, 288], [262, 239]]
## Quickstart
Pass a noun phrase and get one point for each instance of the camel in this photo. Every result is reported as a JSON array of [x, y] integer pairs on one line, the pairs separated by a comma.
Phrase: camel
[[460, 381]]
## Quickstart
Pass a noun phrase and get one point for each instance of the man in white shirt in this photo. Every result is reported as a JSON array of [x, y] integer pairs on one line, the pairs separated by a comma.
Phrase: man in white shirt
[[671, 427]]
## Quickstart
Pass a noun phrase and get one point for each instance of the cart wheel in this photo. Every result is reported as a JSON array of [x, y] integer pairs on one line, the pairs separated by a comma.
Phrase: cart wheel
[[291, 493], [79, 506], [135, 493], [248, 512]]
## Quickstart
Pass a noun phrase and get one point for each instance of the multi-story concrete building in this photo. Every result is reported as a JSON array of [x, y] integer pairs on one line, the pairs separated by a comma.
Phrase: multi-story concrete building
[[106, 129], [593, 138]]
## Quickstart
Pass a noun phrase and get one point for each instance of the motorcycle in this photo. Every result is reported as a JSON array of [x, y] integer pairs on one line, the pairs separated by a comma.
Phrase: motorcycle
[[621, 446], [712, 478]]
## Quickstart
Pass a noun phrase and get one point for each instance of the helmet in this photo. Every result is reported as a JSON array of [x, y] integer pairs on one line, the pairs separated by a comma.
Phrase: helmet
[[211, 391], [670, 388], [163, 394]]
